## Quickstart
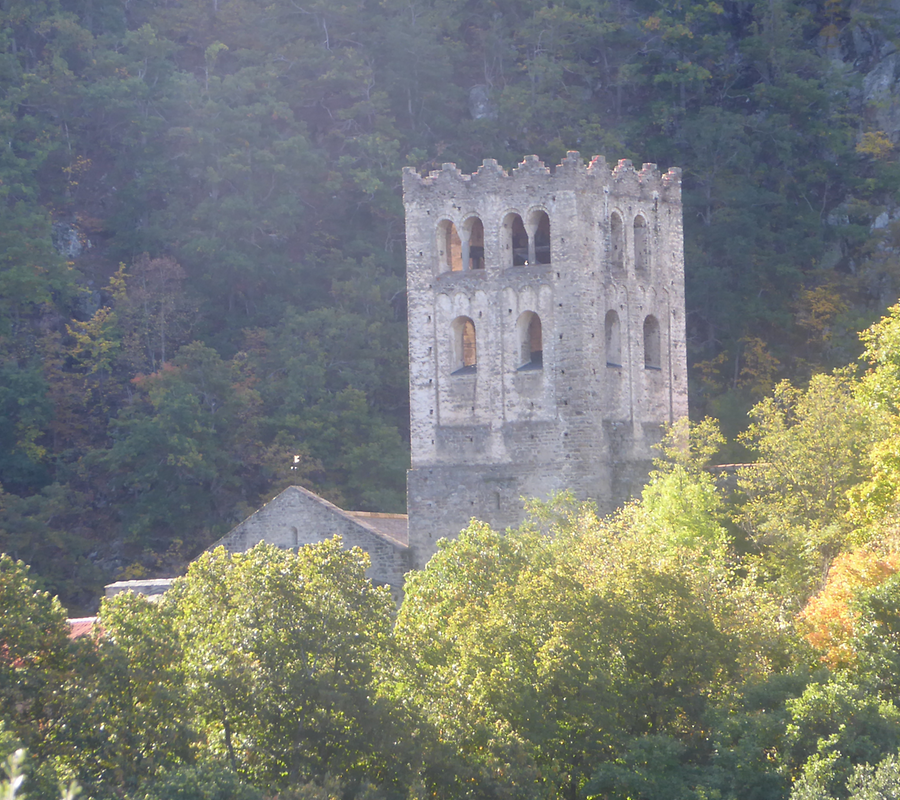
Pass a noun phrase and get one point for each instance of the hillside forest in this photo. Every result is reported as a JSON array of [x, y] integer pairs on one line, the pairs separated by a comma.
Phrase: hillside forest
[[201, 230]]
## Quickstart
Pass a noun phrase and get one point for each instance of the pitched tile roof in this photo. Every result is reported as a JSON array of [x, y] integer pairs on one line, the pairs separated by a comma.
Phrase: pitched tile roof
[[391, 526], [81, 626]]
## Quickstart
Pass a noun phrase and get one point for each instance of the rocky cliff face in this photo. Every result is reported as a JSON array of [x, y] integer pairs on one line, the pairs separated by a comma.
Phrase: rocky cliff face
[[881, 95], [867, 49]]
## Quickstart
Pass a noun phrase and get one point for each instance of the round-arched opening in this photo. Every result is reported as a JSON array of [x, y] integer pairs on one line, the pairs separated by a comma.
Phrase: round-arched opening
[[641, 248], [464, 354], [531, 341], [474, 253], [449, 247], [616, 245], [652, 344], [613, 339], [541, 223], [515, 241]]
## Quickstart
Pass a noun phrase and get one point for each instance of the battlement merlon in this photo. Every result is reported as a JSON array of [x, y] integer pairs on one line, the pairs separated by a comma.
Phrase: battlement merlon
[[572, 172]]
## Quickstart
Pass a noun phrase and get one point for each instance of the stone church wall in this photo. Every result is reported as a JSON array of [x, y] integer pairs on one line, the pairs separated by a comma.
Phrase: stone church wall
[[297, 517]]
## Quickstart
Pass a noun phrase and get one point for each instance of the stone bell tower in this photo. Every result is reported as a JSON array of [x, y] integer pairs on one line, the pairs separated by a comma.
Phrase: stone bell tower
[[546, 336]]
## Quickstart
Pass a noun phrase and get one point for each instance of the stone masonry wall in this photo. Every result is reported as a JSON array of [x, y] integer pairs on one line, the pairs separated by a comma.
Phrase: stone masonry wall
[[297, 517], [609, 294]]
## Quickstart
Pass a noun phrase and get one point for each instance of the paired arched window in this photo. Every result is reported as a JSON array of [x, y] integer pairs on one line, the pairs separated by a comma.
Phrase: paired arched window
[[652, 344], [531, 341], [464, 352], [616, 244], [461, 252], [641, 248], [613, 340], [524, 245]]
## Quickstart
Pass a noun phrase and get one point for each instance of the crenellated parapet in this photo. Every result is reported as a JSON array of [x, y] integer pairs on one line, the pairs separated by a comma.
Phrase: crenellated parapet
[[571, 172]]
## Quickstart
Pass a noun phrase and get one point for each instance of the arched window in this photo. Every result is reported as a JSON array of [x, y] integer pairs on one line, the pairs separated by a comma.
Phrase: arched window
[[641, 248], [613, 340], [531, 341], [449, 247], [616, 244], [295, 537], [541, 222], [464, 353], [475, 229], [515, 244], [652, 347]]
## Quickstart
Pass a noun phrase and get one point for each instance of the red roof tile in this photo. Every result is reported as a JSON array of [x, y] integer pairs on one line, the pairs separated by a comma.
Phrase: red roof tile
[[81, 626]]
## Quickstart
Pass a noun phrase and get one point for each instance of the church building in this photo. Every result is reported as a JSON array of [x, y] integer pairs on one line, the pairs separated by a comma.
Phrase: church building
[[546, 352]]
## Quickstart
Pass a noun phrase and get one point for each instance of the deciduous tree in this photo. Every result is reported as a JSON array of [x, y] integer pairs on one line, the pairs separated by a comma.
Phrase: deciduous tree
[[562, 647], [280, 651], [813, 448]]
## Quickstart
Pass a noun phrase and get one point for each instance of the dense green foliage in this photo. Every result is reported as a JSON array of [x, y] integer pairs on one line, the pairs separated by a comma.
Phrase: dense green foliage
[[241, 159], [279, 658]]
